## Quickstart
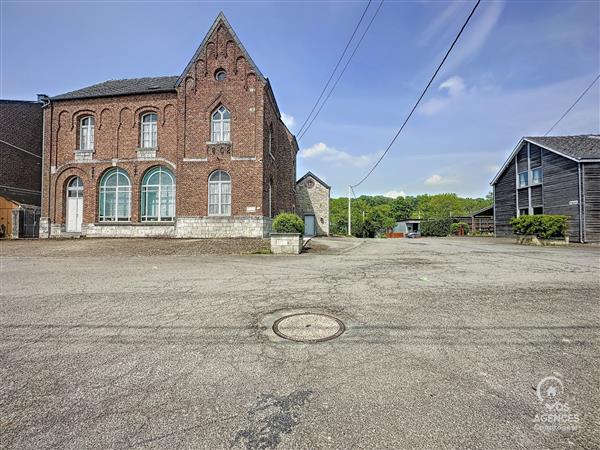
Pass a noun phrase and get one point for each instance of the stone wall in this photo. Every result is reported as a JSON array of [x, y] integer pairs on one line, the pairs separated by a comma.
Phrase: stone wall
[[312, 197], [184, 227], [286, 243]]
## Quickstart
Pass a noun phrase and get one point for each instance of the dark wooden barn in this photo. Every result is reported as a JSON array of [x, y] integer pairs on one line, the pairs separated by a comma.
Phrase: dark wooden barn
[[551, 175]]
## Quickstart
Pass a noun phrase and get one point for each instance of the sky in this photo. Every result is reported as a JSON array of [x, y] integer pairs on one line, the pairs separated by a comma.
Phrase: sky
[[517, 67]]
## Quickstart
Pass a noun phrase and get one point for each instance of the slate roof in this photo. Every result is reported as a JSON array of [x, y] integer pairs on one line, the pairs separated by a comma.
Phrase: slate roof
[[582, 147], [112, 88]]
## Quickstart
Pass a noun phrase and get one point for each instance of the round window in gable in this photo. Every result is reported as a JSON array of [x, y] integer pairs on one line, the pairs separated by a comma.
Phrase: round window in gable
[[309, 183], [220, 75]]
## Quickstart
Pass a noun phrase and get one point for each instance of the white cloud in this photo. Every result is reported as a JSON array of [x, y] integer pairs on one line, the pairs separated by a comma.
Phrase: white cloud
[[394, 194], [454, 87], [441, 22], [478, 31], [438, 180], [288, 120], [324, 152]]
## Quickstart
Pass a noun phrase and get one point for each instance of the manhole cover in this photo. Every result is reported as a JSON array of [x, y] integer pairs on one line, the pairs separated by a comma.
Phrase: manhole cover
[[308, 327]]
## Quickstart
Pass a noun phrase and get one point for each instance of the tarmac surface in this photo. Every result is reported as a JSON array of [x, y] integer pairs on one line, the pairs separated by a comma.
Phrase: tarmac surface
[[447, 343]]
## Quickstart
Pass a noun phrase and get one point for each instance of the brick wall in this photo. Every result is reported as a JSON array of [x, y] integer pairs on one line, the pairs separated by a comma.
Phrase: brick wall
[[20, 151], [184, 139]]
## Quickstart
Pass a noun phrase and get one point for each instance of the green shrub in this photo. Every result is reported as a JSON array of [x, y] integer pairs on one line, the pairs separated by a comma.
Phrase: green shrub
[[456, 227], [545, 226], [436, 227], [288, 223]]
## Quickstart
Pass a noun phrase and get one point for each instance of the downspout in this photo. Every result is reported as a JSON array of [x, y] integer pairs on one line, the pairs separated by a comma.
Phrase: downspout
[[581, 219], [46, 102]]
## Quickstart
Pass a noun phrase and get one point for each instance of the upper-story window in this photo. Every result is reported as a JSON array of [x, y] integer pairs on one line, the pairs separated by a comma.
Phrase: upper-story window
[[86, 133], [221, 125], [220, 75], [149, 138], [536, 175], [523, 179]]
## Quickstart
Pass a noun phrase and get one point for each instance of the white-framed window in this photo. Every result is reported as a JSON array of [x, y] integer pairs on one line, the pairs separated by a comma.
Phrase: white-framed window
[[536, 175], [158, 195], [115, 196], [524, 212], [75, 187], [86, 133], [523, 179], [219, 194], [220, 75], [148, 129], [221, 125]]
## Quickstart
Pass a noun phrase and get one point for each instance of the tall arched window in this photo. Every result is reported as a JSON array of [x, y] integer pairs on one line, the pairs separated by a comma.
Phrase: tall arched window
[[158, 195], [115, 196], [86, 133], [219, 194], [221, 125], [149, 134]]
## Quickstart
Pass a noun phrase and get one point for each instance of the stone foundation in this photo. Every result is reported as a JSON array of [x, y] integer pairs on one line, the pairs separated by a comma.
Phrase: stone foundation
[[183, 227]]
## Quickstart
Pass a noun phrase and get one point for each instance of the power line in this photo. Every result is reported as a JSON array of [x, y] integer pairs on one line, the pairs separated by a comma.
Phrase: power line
[[573, 105], [336, 66], [421, 97], [343, 70]]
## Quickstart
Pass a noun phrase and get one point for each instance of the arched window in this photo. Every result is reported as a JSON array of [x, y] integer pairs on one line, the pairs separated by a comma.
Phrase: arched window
[[115, 196], [220, 123], [158, 195], [219, 194], [86, 133], [148, 139], [75, 187]]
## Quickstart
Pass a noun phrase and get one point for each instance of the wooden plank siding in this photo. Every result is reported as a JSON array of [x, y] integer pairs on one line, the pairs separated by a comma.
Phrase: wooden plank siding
[[536, 195], [591, 203], [523, 198], [522, 158], [505, 200], [561, 186], [535, 155]]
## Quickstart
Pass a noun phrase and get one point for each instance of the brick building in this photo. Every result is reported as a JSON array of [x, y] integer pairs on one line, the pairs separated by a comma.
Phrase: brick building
[[21, 151], [201, 154], [20, 168], [312, 204]]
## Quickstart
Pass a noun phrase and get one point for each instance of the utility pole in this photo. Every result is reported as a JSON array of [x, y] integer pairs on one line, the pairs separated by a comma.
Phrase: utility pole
[[349, 213]]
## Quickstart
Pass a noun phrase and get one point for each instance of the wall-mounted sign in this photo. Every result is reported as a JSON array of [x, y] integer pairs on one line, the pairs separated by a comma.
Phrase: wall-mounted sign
[[574, 202], [250, 209]]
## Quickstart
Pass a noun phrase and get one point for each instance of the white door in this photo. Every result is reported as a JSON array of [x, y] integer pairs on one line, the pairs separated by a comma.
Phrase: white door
[[74, 205], [309, 225]]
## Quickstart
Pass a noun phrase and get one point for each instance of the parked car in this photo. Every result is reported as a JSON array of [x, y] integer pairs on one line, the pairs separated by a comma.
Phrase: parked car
[[413, 234]]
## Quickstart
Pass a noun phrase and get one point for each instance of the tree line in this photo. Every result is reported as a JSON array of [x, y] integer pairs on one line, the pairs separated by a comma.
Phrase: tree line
[[373, 214]]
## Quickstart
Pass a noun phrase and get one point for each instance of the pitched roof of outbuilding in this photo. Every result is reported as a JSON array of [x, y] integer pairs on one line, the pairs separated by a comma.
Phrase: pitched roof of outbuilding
[[130, 86], [581, 147], [316, 178]]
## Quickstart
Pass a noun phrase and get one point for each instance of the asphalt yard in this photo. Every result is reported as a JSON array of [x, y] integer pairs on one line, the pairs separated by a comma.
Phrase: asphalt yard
[[424, 343]]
